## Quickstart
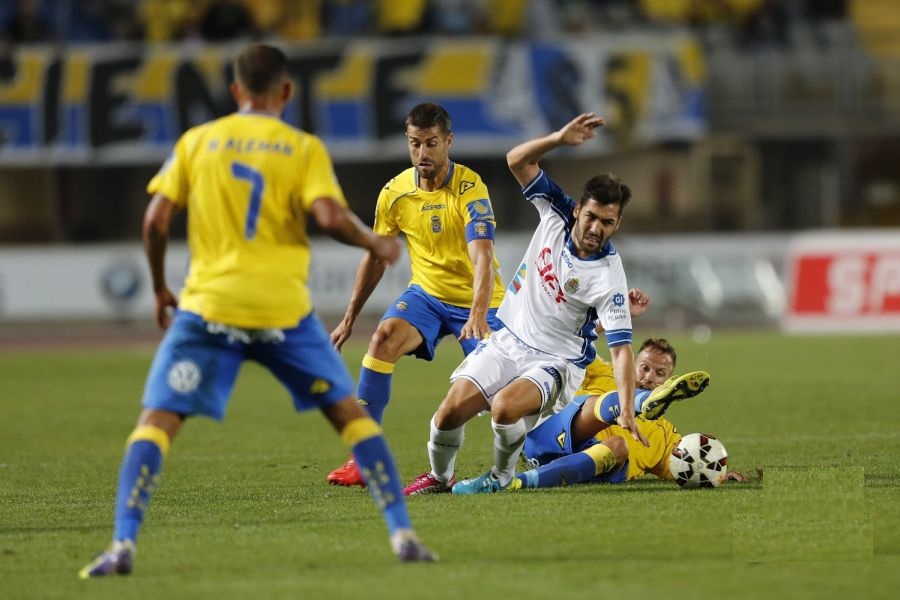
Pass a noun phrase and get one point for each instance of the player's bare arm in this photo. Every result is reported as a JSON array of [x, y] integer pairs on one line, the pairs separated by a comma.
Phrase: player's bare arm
[[157, 219], [481, 253], [340, 223], [623, 370], [523, 159], [368, 275]]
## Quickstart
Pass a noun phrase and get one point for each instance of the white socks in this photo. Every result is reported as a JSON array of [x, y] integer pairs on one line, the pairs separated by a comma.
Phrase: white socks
[[442, 449], [508, 442]]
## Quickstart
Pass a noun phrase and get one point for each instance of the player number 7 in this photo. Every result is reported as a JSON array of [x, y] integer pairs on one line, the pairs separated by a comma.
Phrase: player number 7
[[242, 171]]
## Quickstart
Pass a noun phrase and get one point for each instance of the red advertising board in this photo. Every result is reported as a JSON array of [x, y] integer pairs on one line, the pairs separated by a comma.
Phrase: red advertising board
[[844, 282]]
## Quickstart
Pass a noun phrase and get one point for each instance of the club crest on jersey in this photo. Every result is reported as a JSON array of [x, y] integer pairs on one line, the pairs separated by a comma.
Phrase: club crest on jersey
[[481, 229], [572, 285], [401, 306], [618, 299], [435, 224]]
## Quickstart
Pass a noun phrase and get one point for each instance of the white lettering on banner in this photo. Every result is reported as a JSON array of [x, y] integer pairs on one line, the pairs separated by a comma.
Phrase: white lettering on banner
[[885, 281], [847, 285]]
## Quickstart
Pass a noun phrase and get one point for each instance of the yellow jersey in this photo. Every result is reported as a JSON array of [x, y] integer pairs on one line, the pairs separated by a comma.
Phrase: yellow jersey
[[438, 226], [247, 181], [662, 434], [654, 459], [598, 379]]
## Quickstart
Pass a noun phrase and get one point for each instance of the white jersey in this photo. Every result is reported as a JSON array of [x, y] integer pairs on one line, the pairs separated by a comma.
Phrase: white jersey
[[555, 299]]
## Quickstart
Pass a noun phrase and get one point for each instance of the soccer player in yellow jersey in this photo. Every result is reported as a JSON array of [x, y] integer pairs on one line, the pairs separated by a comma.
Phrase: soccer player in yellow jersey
[[579, 444], [443, 209], [248, 182]]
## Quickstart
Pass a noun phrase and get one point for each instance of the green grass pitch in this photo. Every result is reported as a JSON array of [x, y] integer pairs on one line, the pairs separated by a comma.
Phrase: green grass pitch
[[243, 510]]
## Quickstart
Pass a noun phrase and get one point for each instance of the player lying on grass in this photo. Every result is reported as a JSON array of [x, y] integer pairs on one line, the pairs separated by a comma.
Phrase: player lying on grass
[[582, 443]]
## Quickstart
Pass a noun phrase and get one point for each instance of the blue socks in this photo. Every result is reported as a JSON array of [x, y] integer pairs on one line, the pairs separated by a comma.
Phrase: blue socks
[[374, 389], [607, 408], [138, 479], [574, 468], [378, 469]]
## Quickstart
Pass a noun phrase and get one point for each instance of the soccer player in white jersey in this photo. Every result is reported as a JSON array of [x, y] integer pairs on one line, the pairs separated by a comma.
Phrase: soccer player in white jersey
[[570, 278]]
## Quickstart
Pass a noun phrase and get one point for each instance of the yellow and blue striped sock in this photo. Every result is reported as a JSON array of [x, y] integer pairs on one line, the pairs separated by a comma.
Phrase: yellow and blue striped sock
[[574, 468], [375, 462], [138, 478], [607, 407], [374, 390]]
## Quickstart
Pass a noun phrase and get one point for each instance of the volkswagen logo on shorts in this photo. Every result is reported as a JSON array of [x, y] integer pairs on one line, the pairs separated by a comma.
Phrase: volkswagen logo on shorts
[[184, 377]]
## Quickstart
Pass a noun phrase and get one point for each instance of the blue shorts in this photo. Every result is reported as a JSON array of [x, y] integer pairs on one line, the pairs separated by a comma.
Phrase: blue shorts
[[194, 370], [552, 439], [434, 320]]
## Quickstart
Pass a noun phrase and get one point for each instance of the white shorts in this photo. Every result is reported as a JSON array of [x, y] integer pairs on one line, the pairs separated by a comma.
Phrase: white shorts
[[502, 358]]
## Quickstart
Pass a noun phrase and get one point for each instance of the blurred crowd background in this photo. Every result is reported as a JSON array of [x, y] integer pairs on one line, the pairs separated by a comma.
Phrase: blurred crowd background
[[733, 118], [749, 21], [801, 106]]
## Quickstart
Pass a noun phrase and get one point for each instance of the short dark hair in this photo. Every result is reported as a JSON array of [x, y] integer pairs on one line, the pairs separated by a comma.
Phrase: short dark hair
[[606, 189], [660, 345], [428, 115], [260, 67]]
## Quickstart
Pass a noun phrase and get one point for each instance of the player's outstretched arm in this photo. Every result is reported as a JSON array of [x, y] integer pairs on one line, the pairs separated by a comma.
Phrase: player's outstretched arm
[[157, 219], [340, 223], [623, 370], [523, 159]]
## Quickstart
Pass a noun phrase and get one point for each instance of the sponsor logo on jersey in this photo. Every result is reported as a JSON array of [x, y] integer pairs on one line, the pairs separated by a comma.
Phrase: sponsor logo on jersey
[[561, 439], [549, 280], [432, 207], [618, 299], [184, 377], [572, 285], [435, 224], [616, 313], [401, 305], [465, 186]]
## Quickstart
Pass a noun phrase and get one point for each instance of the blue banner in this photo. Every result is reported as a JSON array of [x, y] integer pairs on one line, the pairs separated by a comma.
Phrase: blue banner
[[129, 103]]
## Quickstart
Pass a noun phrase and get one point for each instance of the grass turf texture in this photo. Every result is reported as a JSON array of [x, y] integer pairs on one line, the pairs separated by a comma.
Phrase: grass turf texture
[[244, 511]]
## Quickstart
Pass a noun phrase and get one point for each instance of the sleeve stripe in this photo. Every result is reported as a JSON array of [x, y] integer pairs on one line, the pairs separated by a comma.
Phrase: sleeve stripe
[[532, 182]]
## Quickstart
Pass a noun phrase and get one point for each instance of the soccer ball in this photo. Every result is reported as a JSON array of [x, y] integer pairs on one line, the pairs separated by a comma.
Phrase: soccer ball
[[698, 461]]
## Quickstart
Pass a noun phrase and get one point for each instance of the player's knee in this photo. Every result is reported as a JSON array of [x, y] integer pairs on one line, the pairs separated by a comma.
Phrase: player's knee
[[446, 416], [619, 448], [165, 420], [504, 412], [390, 341]]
